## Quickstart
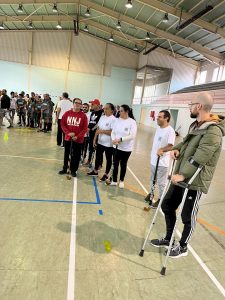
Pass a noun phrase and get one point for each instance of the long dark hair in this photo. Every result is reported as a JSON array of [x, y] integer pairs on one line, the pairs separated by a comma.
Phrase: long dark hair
[[127, 108]]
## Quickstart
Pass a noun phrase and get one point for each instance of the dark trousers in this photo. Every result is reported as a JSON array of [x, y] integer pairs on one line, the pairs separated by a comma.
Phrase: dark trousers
[[84, 147], [90, 144], [73, 150], [22, 118], [60, 134], [99, 157], [170, 204], [120, 157]]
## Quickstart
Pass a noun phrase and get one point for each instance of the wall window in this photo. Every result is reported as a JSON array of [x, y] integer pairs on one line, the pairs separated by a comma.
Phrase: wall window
[[139, 86], [215, 74], [202, 77]]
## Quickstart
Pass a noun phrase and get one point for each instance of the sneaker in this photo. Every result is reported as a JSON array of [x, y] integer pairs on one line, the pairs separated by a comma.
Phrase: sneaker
[[149, 198], [10, 126], [63, 171], [74, 174], [154, 205], [121, 185], [160, 242], [178, 251], [104, 178], [92, 173], [113, 183]]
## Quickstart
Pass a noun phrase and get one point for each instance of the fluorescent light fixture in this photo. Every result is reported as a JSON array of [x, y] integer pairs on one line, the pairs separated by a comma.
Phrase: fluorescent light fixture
[[88, 13], [135, 48], [86, 28], [55, 9], [20, 9], [165, 18], [118, 25], [129, 4], [147, 38], [2, 26], [30, 25], [58, 26], [111, 39]]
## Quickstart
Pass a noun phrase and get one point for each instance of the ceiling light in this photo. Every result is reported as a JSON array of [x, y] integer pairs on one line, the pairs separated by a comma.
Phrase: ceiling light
[[2, 26], [118, 25], [20, 9], [147, 38], [86, 28], [111, 39], [30, 25], [55, 9], [165, 18], [135, 48], [129, 4], [88, 13], [58, 26]]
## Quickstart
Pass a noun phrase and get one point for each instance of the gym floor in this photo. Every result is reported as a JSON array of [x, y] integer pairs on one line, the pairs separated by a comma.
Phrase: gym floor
[[39, 244]]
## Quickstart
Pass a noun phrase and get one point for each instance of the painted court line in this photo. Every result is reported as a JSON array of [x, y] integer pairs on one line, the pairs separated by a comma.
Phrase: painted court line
[[72, 255], [196, 256]]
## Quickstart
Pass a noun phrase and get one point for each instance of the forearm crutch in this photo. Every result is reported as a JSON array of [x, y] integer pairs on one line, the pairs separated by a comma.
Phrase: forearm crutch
[[158, 208], [186, 187], [151, 194]]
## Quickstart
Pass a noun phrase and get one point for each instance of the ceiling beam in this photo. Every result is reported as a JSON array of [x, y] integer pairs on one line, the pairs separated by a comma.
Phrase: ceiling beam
[[158, 32], [185, 15]]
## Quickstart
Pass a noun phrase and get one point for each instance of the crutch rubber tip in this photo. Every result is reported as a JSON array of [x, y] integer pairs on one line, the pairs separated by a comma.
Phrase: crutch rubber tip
[[142, 252], [146, 208], [163, 271], [68, 177]]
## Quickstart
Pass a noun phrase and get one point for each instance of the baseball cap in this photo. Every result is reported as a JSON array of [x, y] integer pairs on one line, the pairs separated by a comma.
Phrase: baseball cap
[[95, 101]]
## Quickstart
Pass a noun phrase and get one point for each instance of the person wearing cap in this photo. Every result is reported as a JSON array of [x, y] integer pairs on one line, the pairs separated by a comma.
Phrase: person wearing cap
[[93, 125]]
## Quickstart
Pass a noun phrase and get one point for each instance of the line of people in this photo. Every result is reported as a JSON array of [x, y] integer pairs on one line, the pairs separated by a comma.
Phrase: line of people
[[32, 111]]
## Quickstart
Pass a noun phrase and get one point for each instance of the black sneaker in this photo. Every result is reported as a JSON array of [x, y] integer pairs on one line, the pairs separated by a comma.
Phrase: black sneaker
[[154, 205], [104, 178], [148, 199], [74, 174], [63, 171], [92, 173], [178, 251], [160, 242]]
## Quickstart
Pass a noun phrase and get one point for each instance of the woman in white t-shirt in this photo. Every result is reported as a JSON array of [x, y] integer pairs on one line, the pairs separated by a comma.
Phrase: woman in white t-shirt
[[103, 142], [123, 136]]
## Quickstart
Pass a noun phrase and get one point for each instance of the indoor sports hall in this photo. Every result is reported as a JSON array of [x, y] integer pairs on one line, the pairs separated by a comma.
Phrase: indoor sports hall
[[71, 235]]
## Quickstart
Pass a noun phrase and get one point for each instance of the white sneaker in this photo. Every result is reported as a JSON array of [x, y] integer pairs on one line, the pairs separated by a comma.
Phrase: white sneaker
[[112, 183], [121, 185]]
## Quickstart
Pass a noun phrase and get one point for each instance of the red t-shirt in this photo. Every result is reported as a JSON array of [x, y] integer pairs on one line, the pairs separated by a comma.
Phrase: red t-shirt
[[74, 122]]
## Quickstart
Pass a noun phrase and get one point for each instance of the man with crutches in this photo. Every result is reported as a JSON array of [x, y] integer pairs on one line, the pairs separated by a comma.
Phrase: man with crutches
[[201, 147], [163, 142]]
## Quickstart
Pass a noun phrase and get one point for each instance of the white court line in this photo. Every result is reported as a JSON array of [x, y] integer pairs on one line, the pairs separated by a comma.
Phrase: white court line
[[193, 252], [72, 257], [30, 157]]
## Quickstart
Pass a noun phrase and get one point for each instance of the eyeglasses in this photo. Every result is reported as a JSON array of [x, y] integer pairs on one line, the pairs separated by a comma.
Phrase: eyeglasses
[[77, 102], [190, 104]]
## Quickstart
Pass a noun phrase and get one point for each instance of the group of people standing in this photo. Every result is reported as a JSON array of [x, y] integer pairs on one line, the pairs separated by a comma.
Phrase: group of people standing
[[99, 132], [32, 111]]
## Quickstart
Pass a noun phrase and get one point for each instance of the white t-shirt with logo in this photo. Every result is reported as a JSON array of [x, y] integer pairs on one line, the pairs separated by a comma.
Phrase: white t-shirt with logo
[[162, 138], [125, 129], [65, 105], [106, 123]]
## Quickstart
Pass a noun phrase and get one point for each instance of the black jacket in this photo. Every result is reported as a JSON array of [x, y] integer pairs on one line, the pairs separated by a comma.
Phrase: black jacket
[[5, 102]]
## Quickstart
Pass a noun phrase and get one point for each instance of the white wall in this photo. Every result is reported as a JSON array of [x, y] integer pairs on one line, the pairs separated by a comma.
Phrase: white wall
[[64, 51], [183, 73]]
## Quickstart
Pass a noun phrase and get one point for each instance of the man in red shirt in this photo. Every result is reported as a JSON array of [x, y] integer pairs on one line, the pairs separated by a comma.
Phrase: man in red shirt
[[74, 125]]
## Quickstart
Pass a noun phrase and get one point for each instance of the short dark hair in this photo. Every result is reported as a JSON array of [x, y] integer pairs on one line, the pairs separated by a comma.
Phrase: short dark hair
[[86, 104], [65, 95], [77, 99], [167, 114]]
